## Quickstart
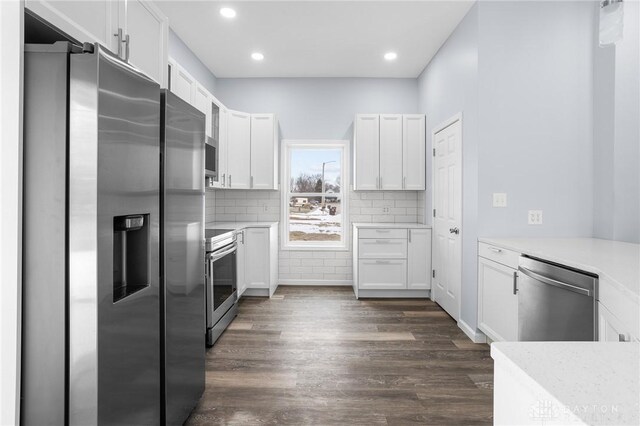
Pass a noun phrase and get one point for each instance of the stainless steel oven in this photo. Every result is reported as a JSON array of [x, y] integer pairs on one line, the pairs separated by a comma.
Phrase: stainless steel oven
[[222, 290]]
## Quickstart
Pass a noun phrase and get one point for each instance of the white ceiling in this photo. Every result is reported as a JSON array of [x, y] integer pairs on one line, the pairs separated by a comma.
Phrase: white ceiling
[[315, 38]]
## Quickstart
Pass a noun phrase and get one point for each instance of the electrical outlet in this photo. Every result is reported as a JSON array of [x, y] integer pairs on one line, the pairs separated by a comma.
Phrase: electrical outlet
[[385, 210], [499, 199], [535, 217], [265, 208]]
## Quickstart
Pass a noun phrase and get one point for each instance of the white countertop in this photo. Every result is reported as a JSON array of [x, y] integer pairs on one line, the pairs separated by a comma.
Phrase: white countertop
[[390, 225], [616, 261], [587, 378], [239, 225]]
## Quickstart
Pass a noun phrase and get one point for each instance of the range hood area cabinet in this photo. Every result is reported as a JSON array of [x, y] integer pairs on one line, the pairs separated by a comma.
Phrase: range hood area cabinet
[[389, 152], [136, 30], [247, 143]]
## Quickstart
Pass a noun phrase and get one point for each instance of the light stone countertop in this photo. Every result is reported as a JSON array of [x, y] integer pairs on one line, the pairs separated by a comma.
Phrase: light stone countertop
[[390, 225], [598, 382], [617, 262], [239, 225]]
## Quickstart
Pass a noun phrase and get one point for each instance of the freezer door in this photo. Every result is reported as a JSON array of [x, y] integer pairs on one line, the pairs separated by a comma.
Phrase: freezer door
[[182, 234], [114, 223]]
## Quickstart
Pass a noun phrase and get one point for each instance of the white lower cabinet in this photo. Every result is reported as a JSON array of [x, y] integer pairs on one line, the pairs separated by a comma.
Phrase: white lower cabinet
[[611, 328], [392, 261], [377, 274], [497, 301], [258, 260], [419, 259]]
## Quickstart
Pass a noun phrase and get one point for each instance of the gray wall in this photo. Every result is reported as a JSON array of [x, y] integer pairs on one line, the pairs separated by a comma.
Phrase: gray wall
[[617, 134], [179, 51], [318, 108], [521, 75], [448, 86]]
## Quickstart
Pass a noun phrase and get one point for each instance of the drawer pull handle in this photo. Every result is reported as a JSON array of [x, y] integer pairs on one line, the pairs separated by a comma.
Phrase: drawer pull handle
[[495, 250], [385, 231], [383, 262], [383, 241]]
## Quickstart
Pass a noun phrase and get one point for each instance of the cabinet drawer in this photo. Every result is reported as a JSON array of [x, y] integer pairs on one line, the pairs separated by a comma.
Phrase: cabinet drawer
[[382, 274], [382, 233], [498, 254], [382, 248]]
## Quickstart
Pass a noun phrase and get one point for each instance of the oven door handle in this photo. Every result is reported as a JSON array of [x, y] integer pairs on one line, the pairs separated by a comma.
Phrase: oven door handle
[[216, 255]]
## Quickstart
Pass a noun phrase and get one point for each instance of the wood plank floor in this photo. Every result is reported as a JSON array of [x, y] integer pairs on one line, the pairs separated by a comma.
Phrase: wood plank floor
[[316, 355]]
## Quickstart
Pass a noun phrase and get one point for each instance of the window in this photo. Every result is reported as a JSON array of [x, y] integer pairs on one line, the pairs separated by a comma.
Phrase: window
[[315, 194]]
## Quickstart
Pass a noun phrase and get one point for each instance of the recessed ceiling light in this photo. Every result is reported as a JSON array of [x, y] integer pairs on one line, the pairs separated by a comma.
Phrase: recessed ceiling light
[[257, 56], [227, 12], [390, 56]]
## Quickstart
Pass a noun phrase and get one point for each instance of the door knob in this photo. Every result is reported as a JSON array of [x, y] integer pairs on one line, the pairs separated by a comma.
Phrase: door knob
[[454, 230]]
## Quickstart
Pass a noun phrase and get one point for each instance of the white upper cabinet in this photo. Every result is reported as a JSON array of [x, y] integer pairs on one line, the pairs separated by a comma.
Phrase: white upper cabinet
[[239, 150], [223, 145], [419, 259], [146, 36], [264, 150], [389, 152], [366, 151], [413, 151], [135, 30], [182, 84], [87, 21], [202, 101], [390, 176]]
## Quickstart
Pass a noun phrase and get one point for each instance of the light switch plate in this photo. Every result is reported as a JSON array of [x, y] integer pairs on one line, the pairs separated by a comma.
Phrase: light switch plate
[[535, 217], [499, 199]]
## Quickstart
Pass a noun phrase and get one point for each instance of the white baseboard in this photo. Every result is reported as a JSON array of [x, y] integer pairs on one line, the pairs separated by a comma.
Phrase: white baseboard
[[474, 335], [317, 282]]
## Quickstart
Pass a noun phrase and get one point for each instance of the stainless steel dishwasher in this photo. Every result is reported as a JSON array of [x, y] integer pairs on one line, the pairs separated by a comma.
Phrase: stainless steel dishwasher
[[555, 303]]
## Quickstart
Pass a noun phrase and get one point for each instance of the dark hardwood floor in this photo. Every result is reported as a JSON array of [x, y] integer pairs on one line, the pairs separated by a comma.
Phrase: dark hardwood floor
[[316, 355]]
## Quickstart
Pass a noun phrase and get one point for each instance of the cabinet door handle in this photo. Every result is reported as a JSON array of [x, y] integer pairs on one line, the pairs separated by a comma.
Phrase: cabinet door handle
[[223, 179], [380, 182], [229, 181], [404, 182], [515, 282], [251, 182], [119, 35], [377, 182], [409, 235], [126, 54]]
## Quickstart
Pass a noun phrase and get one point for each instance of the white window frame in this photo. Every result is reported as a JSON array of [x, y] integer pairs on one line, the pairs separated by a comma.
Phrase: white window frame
[[287, 145]]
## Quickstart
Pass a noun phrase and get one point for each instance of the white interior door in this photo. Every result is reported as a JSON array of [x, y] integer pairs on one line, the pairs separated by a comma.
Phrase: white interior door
[[447, 201]]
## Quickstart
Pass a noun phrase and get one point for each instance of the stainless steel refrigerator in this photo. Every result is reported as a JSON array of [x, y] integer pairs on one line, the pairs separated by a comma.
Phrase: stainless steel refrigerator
[[91, 242], [182, 138]]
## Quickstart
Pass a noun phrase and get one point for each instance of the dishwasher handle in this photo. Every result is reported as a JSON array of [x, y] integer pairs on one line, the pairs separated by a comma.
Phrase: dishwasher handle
[[555, 283]]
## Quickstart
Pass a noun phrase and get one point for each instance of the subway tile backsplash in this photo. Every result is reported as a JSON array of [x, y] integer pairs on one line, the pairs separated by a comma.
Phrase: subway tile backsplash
[[304, 265]]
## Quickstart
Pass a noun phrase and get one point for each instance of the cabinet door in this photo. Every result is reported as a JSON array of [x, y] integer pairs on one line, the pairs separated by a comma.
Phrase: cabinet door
[[263, 151], [87, 21], [366, 152], [382, 274], [202, 102], [223, 147], [390, 152], [413, 151], [239, 150], [256, 270], [241, 257], [497, 303], [610, 328], [419, 259], [148, 31], [182, 84]]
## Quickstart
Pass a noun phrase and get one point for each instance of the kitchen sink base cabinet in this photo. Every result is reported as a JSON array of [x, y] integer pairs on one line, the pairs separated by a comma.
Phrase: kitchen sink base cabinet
[[392, 260]]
